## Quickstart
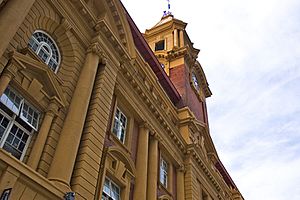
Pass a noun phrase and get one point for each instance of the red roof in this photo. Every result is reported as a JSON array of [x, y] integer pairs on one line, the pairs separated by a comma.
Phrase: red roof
[[151, 59]]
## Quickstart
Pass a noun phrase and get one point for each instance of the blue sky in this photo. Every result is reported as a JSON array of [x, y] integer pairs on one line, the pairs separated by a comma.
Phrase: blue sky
[[250, 52]]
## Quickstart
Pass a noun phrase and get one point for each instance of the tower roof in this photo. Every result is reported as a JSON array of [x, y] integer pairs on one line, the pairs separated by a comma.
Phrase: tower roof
[[164, 20]]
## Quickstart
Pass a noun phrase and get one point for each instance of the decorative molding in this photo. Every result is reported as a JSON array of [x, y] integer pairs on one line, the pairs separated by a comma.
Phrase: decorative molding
[[95, 48], [154, 106]]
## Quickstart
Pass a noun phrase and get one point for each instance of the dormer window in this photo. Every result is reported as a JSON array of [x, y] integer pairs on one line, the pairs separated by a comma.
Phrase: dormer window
[[45, 47], [159, 46]]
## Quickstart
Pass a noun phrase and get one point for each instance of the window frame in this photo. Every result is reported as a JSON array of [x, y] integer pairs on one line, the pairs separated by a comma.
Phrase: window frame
[[41, 47], [160, 43], [163, 172], [19, 112], [109, 196], [195, 81], [124, 128], [7, 131]]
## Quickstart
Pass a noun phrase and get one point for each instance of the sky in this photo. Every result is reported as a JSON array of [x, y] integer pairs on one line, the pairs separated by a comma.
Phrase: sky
[[250, 52]]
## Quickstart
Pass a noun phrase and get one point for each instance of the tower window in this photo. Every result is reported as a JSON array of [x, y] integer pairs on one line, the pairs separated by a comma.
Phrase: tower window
[[45, 47], [159, 46]]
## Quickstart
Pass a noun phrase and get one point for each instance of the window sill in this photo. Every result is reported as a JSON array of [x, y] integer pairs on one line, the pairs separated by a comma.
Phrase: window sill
[[116, 141], [162, 187]]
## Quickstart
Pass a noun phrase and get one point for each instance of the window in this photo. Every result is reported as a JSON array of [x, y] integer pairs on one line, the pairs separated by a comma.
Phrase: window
[[45, 47], [111, 191], [163, 172], [195, 81], [18, 120], [159, 46], [120, 122]]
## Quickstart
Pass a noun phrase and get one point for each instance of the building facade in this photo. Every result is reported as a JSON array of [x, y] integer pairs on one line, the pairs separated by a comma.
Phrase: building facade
[[92, 109]]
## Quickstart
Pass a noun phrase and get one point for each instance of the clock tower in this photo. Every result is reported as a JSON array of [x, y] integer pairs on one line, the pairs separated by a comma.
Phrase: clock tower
[[178, 57]]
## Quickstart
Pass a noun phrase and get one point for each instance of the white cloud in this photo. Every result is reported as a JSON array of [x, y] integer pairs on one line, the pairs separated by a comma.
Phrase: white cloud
[[250, 51]]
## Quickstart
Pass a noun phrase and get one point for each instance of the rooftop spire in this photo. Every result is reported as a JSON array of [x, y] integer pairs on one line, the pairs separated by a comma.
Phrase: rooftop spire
[[168, 12]]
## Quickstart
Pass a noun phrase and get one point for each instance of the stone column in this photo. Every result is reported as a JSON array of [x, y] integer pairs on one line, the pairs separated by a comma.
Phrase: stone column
[[140, 186], [7, 75], [170, 177], [180, 183], [175, 38], [61, 168], [181, 38], [40, 141], [152, 169], [5, 78], [12, 16]]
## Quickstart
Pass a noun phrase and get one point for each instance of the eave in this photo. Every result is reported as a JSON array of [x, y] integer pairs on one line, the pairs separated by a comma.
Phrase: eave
[[151, 59]]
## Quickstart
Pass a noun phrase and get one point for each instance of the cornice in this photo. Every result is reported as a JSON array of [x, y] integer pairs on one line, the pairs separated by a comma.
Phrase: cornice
[[153, 104], [72, 20], [103, 29], [191, 151]]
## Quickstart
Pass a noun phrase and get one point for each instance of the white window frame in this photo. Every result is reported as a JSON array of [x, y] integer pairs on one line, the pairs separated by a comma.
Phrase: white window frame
[[26, 119], [19, 111], [12, 122], [163, 172], [119, 126], [40, 48], [108, 194]]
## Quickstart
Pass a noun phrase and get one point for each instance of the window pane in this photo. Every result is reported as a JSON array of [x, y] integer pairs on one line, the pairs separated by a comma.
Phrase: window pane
[[110, 190], [14, 144], [3, 125], [163, 172], [45, 48], [30, 115], [119, 128], [11, 99]]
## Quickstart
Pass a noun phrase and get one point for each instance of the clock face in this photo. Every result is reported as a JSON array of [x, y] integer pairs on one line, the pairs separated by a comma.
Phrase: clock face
[[195, 81]]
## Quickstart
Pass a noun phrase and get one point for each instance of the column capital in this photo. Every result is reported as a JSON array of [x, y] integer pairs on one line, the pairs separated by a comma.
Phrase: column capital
[[145, 125], [180, 168], [155, 136], [95, 48], [53, 107], [11, 70]]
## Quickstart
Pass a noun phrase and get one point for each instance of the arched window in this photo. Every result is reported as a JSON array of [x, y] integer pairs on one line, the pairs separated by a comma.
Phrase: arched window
[[45, 47]]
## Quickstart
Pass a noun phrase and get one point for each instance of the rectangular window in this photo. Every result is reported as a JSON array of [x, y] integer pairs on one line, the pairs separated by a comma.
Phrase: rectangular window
[[111, 191], [159, 46], [14, 138], [18, 119], [120, 122], [163, 172]]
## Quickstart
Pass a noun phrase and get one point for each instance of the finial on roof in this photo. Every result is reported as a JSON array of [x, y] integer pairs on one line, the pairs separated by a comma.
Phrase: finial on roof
[[168, 12]]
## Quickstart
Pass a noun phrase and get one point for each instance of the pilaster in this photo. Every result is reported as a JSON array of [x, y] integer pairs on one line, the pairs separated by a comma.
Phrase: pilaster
[[70, 136], [40, 141], [141, 164], [180, 183], [91, 150], [7, 75], [11, 17], [152, 169]]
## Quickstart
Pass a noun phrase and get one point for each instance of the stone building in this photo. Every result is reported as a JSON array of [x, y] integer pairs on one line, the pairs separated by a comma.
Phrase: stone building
[[90, 110]]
